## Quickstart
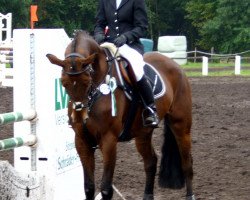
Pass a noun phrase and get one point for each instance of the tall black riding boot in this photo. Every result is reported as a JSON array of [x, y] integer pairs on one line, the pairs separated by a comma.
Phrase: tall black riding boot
[[149, 114]]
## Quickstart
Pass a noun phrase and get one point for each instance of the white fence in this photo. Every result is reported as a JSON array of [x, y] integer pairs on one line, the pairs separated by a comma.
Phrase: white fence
[[6, 51], [6, 66], [205, 57]]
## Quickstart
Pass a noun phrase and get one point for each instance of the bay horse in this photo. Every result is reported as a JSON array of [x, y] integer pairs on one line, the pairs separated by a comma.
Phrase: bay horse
[[85, 71]]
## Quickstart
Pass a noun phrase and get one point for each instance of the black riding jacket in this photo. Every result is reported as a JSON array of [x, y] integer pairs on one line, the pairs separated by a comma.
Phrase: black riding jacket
[[130, 19]]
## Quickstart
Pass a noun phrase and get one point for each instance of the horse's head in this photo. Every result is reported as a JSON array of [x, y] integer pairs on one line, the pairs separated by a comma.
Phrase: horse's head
[[77, 68], [76, 74], [76, 78], [83, 69]]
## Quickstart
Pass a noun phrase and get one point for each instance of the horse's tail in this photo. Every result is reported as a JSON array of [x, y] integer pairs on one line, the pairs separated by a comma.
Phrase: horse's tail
[[171, 174]]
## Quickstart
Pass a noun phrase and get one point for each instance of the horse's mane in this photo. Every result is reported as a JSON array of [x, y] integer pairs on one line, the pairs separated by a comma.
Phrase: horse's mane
[[82, 33], [83, 37]]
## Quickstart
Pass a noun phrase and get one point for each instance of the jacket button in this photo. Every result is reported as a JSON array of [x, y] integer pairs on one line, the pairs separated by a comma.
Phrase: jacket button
[[117, 28], [115, 21], [117, 34], [115, 13]]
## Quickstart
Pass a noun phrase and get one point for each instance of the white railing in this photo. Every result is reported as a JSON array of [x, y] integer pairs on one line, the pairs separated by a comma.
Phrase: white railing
[[6, 51], [6, 66], [205, 57]]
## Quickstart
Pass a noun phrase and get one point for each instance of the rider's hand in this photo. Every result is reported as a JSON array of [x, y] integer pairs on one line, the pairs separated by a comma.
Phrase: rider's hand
[[121, 40], [99, 38]]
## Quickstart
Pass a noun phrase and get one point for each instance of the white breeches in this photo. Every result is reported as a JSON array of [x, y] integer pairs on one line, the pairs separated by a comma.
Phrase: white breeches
[[135, 59]]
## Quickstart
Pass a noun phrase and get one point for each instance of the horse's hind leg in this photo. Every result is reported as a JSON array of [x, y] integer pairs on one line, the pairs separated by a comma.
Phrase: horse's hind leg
[[176, 163], [181, 128], [183, 140], [145, 148]]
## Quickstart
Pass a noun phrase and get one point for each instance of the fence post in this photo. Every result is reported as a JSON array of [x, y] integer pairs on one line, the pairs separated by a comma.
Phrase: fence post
[[204, 65], [195, 54], [237, 65]]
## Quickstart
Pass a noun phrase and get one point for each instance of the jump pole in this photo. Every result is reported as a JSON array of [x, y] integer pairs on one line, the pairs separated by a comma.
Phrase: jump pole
[[17, 116], [12, 143]]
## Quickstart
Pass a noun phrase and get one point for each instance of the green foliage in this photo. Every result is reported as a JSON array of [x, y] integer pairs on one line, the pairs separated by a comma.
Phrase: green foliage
[[229, 30], [67, 14], [199, 11], [222, 24], [19, 10], [168, 18]]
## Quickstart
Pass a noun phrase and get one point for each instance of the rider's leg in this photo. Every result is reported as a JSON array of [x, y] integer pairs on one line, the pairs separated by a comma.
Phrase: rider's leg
[[136, 60], [149, 114]]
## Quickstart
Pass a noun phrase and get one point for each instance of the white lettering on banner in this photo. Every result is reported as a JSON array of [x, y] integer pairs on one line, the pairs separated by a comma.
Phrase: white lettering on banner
[[61, 118], [67, 161], [66, 155], [70, 146]]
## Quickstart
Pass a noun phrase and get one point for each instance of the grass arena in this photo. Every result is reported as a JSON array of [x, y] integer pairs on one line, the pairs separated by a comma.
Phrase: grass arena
[[221, 147]]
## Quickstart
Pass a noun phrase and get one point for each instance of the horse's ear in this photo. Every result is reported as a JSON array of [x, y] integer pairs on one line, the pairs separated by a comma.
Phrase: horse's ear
[[54, 60], [91, 58]]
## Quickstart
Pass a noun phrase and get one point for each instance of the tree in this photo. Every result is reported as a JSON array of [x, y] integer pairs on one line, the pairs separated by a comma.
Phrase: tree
[[222, 24], [19, 10], [199, 12], [168, 18], [67, 14], [229, 30]]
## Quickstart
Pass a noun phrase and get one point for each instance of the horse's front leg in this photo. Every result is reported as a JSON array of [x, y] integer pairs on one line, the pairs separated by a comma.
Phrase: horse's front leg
[[108, 146], [145, 148], [86, 154]]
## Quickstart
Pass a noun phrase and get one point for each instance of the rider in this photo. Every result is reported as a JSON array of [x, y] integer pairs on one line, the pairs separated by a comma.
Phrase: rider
[[127, 22]]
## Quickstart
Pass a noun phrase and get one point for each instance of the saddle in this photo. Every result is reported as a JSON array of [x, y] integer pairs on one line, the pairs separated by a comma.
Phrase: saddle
[[124, 67], [127, 83]]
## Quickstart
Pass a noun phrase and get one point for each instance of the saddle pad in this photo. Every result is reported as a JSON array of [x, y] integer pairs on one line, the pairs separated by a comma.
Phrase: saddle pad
[[155, 80]]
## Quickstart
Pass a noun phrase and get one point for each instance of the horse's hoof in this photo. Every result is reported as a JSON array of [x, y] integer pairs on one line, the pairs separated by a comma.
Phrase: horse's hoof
[[148, 197], [192, 197]]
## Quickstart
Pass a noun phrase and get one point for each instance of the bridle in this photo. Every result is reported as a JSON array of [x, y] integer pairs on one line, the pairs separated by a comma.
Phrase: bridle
[[78, 106], [73, 71], [93, 92]]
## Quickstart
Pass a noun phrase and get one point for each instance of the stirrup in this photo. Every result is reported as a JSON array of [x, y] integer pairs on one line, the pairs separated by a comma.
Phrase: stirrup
[[150, 117]]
